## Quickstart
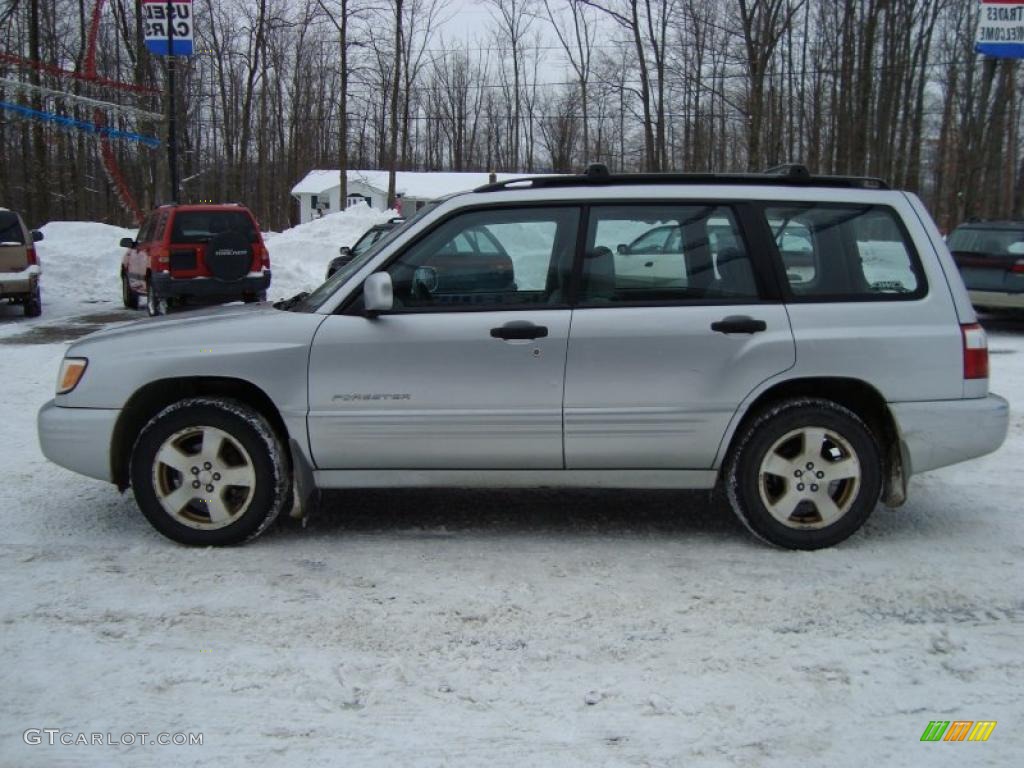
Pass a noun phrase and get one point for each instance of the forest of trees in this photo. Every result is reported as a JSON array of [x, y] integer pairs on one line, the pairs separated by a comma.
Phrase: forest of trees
[[889, 88]]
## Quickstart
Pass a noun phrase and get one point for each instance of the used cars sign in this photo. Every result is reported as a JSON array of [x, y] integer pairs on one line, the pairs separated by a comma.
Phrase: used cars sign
[[163, 20]]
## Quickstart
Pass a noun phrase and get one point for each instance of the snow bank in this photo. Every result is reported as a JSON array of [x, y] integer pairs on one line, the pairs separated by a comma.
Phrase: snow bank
[[81, 264], [299, 256]]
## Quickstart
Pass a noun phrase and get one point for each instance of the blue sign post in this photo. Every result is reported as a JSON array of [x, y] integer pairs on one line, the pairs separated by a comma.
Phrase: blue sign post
[[168, 32], [1001, 29]]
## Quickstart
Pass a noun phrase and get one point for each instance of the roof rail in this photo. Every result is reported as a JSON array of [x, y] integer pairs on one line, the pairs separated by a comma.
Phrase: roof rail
[[597, 174]]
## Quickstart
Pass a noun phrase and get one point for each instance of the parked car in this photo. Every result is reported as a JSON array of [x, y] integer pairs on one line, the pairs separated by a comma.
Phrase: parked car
[[19, 263], [990, 255], [372, 236], [492, 342], [195, 252]]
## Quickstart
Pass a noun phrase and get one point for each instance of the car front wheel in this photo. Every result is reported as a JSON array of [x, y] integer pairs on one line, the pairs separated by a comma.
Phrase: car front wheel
[[806, 474], [129, 298], [209, 471]]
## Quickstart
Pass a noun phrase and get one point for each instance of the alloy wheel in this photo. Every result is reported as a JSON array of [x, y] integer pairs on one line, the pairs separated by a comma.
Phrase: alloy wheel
[[809, 478], [203, 477]]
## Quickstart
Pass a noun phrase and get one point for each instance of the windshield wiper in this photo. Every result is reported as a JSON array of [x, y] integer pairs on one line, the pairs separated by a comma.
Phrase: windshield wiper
[[287, 304]]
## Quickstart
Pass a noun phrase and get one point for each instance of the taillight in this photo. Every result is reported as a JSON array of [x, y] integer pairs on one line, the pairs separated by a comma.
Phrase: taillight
[[161, 259], [32, 258], [261, 252], [1018, 267], [975, 351]]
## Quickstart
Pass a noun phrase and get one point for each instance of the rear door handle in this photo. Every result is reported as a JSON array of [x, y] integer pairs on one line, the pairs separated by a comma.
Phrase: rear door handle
[[739, 324], [519, 329]]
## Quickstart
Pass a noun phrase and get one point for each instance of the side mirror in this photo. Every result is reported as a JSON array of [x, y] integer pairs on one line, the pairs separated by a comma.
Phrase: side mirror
[[36, 235], [623, 249], [345, 250], [378, 294], [127, 242]]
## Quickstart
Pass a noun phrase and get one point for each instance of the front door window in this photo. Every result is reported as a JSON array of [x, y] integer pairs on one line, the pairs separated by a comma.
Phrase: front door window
[[491, 259]]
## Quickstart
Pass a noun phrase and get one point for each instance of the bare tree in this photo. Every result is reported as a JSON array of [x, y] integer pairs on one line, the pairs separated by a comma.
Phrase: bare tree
[[762, 23], [576, 36], [515, 17]]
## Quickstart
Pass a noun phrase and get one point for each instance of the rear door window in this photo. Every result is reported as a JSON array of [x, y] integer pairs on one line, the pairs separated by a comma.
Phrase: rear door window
[[847, 252], [10, 229], [661, 253], [146, 231]]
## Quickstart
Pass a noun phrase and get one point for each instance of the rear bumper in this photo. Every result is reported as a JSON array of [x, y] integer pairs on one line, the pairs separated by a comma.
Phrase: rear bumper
[[78, 439], [209, 287], [18, 283], [943, 432], [997, 299]]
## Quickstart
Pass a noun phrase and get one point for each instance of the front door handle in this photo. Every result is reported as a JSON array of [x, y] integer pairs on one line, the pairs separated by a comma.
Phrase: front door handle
[[519, 330], [739, 324]]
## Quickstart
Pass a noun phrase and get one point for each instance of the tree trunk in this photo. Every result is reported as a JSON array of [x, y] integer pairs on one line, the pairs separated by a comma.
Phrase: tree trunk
[[395, 88]]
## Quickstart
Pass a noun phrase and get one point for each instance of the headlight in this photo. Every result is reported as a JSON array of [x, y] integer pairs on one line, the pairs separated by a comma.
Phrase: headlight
[[71, 371]]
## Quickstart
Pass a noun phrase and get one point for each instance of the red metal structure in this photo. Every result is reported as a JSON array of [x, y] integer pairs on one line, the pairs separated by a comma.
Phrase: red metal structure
[[88, 75]]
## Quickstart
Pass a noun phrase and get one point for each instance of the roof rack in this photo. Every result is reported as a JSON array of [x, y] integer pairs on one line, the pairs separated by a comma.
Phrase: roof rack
[[597, 174]]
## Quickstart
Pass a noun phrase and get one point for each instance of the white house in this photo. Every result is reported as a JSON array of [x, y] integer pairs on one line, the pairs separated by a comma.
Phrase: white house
[[320, 191]]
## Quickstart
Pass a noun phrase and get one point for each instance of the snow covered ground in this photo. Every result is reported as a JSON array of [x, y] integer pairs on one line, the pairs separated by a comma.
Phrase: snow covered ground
[[496, 628]]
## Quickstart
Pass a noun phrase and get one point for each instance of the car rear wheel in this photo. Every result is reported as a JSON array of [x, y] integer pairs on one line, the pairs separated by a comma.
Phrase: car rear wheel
[[209, 471], [155, 304], [806, 474], [129, 297], [34, 302]]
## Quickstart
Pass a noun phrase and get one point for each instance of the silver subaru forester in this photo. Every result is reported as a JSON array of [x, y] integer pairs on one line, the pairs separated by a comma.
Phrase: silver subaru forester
[[803, 342]]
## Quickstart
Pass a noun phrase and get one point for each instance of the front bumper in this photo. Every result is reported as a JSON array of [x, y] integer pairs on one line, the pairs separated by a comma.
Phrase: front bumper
[[19, 283], [78, 439], [209, 287], [939, 433], [997, 299]]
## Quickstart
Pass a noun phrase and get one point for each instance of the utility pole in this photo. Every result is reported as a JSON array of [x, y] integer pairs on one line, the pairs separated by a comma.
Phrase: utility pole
[[172, 141]]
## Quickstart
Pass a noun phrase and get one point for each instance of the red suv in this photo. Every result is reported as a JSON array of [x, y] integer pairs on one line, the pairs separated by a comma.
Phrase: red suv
[[189, 252]]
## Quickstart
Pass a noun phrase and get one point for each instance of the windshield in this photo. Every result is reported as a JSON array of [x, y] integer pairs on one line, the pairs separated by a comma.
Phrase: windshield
[[363, 243], [313, 301]]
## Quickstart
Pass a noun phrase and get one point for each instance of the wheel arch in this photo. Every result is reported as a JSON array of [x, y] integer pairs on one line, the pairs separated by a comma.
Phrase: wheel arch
[[150, 399], [856, 395]]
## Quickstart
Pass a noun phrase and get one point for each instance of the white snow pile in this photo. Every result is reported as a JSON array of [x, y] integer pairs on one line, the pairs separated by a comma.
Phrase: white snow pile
[[81, 263], [299, 256]]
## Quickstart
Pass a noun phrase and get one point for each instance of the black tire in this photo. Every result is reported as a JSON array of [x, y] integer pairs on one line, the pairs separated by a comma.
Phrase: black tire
[[129, 298], [34, 302], [789, 430], [247, 428], [155, 305], [252, 298]]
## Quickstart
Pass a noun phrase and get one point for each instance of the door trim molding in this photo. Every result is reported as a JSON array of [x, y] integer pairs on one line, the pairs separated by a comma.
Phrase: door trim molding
[[685, 479]]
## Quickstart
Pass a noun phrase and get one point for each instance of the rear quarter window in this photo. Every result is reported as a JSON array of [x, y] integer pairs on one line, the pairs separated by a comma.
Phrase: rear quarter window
[[845, 252]]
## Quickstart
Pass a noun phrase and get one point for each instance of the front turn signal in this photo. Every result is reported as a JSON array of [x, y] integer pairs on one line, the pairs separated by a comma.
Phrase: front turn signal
[[71, 370]]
